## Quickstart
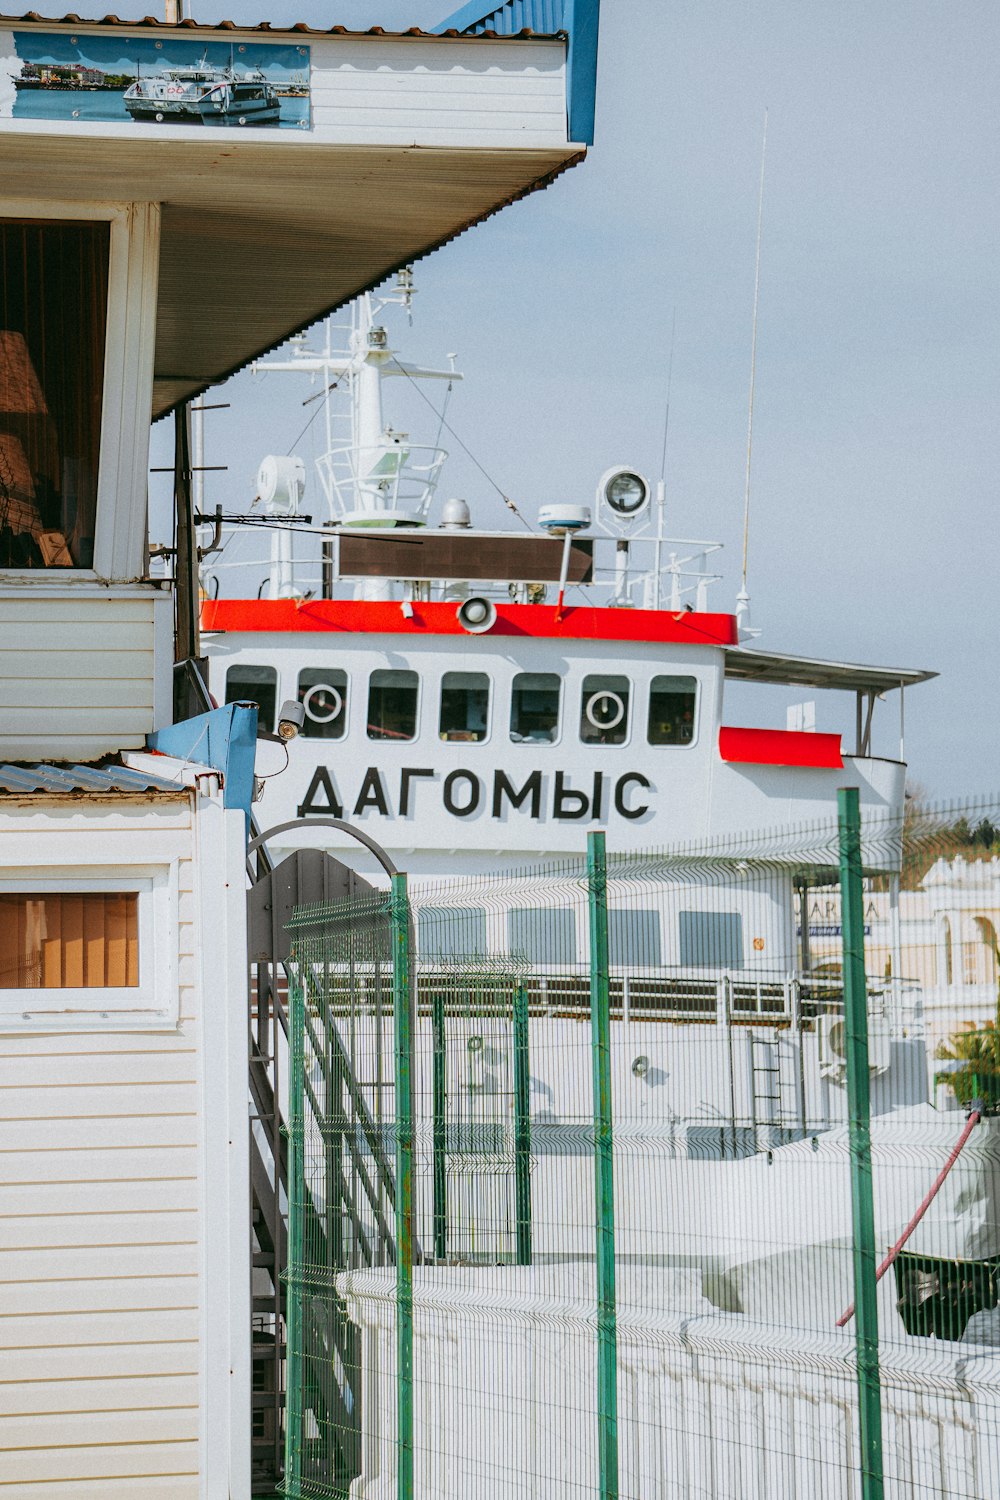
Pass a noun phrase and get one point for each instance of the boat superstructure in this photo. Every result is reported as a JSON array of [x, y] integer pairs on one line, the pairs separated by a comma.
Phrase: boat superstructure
[[477, 696]]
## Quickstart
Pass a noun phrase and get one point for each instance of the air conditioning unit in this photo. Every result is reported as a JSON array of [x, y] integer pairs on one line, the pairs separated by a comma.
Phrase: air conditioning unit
[[832, 1040]]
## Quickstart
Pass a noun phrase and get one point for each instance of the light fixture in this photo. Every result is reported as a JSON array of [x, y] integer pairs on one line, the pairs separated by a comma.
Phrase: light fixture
[[290, 719], [640, 1066], [624, 492]]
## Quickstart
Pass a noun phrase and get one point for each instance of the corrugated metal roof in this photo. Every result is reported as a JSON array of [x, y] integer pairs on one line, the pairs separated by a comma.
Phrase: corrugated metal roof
[[300, 27], [23, 779]]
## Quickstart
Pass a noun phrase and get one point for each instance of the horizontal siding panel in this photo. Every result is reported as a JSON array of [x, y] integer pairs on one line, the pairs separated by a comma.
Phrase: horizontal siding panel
[[54, 1206], [345, 92], [72, 1370], [78, 635], [60, 722], [124, 1393], [37, 1048], [90, 1429], [37, 1137], [79, 1328], [63, 1248], [104, 1164], [128, 665], [71, 746], [136, 1461], [136, 1294], [154, 1487], [62, 693], [79, 1103], [125, 1069], [99, 610]]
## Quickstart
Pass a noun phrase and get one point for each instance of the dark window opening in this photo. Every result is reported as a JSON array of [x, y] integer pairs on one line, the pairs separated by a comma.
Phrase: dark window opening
[[672, 710], [254, 685], [634, 938], [53, 320], [451, 932], [465, 706], [711, 940], [392, 705], [534, 708], [323, 695], [542, 935]]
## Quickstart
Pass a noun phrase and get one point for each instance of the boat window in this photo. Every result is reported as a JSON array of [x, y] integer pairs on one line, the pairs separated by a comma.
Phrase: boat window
[[672, 702], [451, 931], [53, 318], [711, 940], [542, 935], [534, 707], [246, 684], [604, 710], [392, 705], [79, 940], [634, 938], [465, 705], [323, 695]]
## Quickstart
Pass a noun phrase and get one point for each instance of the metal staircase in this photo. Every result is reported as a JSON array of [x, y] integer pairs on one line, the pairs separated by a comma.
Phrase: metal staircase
[[353, 1228]]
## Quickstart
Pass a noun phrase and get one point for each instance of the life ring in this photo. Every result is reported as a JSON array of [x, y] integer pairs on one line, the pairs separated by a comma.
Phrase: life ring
[[590, 709], [336, 697]]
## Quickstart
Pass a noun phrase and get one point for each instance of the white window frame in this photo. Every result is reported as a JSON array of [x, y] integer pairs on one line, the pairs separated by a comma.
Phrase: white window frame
[[127, 398], [152, 1004]]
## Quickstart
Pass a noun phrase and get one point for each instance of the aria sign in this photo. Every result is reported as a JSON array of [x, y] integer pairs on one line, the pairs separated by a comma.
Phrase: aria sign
[[463, 794]]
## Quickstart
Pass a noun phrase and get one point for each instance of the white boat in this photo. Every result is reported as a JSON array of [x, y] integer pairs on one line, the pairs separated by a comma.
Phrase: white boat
[[204, 95]]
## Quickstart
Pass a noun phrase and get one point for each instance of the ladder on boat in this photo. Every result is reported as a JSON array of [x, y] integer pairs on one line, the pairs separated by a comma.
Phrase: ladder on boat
[[765, 1087]]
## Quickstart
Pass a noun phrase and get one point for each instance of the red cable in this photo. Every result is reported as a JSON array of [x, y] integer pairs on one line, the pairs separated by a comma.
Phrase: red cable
[[972, 1121]]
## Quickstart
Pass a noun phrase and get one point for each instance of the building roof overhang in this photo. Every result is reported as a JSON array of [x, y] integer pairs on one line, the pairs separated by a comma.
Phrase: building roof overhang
[[265, 231], [744, 664]]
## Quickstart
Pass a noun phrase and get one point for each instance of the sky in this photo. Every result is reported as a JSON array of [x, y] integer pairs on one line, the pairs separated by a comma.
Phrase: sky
[[876, 449]]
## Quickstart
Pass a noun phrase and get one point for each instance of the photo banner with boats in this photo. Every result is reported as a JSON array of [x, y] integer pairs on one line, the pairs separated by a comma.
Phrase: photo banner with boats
[[154, 81]]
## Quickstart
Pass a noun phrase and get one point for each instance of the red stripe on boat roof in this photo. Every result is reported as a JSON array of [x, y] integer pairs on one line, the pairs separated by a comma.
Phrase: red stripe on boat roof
[[780, 747], [370, 617]]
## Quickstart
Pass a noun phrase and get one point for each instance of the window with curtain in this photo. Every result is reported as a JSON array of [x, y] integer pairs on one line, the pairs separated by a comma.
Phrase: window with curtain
[[69, 940], [53, 320]]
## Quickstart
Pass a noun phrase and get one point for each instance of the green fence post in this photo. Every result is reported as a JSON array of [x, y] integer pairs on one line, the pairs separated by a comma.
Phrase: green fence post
[[294, 1372], [440, 1129], [600, 1025], [522, 1128], [402, 1027], [859, 1118]]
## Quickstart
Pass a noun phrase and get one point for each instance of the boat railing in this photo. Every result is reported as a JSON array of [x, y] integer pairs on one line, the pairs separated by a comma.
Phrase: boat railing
[[400, 478], [483, 985]]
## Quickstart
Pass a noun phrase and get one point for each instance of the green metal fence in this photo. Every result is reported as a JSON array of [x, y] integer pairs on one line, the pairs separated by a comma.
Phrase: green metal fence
[[663, 1175]]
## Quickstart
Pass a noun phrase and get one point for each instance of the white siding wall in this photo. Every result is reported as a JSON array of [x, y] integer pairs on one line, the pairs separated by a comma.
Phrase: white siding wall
[[382, 91], [78, 670], [100, 1166]]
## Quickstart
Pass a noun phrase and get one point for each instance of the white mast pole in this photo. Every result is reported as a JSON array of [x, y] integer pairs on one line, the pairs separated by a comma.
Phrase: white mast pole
[[743, 609]]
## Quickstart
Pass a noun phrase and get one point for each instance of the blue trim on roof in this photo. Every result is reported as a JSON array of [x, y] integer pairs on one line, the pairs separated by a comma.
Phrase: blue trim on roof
[[580, 18], [226, 740], [42, 777]]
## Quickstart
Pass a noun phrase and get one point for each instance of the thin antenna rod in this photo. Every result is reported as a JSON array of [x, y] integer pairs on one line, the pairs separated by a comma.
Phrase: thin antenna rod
[[753, 359], [670, 381]]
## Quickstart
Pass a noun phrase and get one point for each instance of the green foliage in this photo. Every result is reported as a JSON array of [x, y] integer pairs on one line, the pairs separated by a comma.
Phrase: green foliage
[[979, 1048]]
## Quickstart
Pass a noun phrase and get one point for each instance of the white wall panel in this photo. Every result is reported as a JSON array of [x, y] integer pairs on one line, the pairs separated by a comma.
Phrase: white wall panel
[[77, 670]]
